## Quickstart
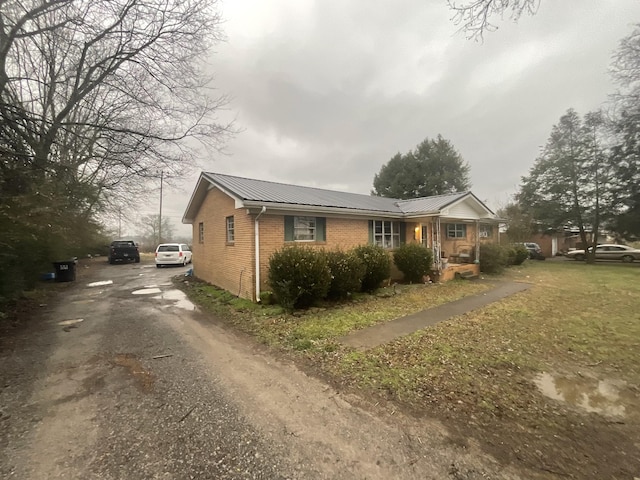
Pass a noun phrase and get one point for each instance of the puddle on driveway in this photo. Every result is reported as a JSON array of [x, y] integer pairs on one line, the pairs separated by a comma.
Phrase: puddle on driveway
[[146, 291], [607, 397], [178, 297], [99, 284], [71, 322]]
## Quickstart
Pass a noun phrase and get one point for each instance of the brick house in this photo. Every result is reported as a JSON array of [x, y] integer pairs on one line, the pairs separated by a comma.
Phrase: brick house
[[239, 222], [563, 240]]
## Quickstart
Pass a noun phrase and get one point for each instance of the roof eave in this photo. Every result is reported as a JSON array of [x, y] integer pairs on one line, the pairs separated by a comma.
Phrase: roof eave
[[194, 202], [199, 194], [295, 207]]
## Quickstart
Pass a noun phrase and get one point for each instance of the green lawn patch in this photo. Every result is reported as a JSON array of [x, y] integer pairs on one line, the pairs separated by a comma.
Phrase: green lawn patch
[[478, 371]]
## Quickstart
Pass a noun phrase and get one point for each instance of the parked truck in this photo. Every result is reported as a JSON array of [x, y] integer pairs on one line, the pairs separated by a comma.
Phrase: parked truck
[[123, 251]]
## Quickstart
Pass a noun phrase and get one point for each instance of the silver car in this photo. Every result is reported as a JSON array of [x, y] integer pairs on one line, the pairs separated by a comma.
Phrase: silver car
[[609, 252]]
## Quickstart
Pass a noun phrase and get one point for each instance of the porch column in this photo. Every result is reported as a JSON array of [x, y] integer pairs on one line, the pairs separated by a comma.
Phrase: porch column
[[478, 240]]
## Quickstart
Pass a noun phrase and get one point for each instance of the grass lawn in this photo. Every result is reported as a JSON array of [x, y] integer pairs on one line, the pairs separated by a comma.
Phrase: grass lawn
[[574, 335]]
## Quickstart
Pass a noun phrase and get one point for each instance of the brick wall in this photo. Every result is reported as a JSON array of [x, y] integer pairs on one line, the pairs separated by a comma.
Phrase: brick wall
[[226, 265], [340, 233], [231, 265]]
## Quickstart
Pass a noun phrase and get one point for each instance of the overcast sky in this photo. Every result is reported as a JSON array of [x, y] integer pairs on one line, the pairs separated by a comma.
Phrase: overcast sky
[[326, 91]]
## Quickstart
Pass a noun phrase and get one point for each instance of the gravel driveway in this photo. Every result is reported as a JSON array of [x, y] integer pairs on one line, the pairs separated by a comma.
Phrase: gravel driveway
[[122, 378]]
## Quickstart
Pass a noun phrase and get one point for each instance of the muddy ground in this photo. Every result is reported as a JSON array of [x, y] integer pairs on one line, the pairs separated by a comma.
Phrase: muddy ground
[[120, 376]]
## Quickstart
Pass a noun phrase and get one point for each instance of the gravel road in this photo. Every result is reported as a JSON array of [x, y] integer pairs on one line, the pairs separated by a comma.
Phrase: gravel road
[[123, 378]]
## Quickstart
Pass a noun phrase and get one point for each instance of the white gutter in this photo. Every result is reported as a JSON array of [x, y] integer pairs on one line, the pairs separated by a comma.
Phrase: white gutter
[[282, 208], [257, 244]]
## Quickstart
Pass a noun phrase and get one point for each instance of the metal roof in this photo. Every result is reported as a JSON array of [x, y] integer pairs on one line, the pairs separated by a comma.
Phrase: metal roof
[[430, 204], [248, 189], [251, 192]]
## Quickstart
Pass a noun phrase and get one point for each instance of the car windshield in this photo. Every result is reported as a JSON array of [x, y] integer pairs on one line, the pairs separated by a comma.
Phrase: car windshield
[[168, 248]]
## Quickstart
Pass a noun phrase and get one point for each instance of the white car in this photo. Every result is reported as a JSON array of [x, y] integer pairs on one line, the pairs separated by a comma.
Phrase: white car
[[173, 254]]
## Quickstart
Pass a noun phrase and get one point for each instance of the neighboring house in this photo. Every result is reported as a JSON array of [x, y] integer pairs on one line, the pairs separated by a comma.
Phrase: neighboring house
[[239, 222], [558, 242]]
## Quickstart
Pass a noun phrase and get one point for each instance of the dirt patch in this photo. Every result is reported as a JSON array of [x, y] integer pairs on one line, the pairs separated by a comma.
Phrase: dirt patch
[[143, 377]]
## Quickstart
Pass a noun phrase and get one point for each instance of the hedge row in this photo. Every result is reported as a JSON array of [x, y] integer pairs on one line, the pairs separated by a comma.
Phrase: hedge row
[[300, 275]]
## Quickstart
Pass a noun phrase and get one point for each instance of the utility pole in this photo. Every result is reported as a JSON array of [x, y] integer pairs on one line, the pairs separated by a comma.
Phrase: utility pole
[[160, 216]]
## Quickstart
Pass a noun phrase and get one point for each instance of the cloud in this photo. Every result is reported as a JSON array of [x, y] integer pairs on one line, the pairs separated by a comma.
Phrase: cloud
[[327, 91]]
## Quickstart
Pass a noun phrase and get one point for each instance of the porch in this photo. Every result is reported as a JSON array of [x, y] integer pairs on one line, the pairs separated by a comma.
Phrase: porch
[[452, 271]]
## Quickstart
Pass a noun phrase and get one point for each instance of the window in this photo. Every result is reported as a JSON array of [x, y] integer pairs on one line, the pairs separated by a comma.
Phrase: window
[[230, 230], [386, 234], [304, 229], [456, 230], [169, 248], [201, 232], [486, 231]]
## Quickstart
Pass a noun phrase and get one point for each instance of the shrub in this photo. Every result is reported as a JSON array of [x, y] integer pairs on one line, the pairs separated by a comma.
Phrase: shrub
[[517, 254], [493, 258], [377, 266], [414, 261], [299, 276], [267, 298], [347, 270]]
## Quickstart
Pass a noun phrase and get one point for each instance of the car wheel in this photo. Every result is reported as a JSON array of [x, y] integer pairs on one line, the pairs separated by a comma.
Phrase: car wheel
[[579, 258], [158, 266], [627, 259], [137, 260]]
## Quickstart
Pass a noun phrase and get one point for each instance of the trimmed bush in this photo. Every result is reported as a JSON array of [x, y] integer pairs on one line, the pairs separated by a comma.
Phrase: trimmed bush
[[299, 276], [493, 258], [347, 271], [517, 254], [267, 298], [414, 261], [377, 266]]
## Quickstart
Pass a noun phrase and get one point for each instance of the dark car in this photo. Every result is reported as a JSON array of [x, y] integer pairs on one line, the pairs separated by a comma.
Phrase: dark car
[[123, 251], [535, 252]]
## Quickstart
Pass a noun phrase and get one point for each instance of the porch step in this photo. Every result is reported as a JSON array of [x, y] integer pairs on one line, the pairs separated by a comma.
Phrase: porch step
[[466, 275]]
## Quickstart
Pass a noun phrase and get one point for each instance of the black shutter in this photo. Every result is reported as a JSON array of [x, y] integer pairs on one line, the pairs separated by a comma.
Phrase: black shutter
[[321, 229], [288, 228]]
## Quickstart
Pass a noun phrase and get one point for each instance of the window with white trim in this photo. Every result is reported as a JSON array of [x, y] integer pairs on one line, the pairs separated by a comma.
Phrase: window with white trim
[[486, 231], [304, 229], [456, 230], [386, 234], [230, 230]]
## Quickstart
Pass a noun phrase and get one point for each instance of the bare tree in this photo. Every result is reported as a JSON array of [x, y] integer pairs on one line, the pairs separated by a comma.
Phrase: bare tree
[[96, 96], [475, 16], [151, 230], [107, 91]]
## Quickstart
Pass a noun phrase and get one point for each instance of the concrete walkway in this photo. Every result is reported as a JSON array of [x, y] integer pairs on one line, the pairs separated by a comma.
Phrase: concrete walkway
[[385, 332]]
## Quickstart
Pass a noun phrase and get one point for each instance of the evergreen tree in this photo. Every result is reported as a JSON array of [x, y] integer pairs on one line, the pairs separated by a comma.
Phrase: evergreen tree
[[626, 152], [433, 168], [570, 182]]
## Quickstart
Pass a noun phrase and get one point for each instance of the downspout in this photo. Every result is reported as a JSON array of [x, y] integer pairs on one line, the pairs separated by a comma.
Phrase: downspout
[[257, 244]]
